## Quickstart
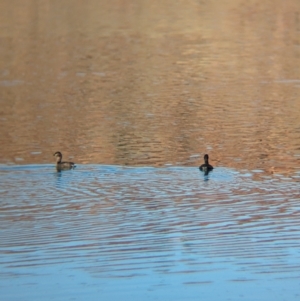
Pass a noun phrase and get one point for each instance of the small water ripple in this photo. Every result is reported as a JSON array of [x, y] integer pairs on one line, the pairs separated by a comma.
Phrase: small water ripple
[[116, 222]]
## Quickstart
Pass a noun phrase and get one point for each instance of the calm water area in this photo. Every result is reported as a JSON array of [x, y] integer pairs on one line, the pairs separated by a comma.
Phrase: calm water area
[[136, 92]]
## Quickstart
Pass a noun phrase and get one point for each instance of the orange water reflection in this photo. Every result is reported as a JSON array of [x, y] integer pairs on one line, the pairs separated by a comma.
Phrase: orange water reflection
[[139, 83]]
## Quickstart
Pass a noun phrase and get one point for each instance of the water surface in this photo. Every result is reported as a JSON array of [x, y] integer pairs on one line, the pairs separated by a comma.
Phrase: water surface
[[139, 83], [136, 92], [148, 233]]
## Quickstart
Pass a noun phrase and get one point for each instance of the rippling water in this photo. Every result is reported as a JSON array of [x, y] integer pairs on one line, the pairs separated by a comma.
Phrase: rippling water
[[136, 92], [139, 83], [148, 234]]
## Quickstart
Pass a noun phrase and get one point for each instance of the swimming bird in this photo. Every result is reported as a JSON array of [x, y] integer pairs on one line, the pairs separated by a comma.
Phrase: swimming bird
[[62, 165], [206, 167]]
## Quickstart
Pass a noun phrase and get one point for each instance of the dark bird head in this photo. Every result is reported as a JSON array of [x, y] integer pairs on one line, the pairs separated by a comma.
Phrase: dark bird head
[[58, 154], [58, 157]]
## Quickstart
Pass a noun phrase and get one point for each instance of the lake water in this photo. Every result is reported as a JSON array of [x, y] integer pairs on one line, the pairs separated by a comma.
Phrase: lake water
[[142, 233], [136, 92]]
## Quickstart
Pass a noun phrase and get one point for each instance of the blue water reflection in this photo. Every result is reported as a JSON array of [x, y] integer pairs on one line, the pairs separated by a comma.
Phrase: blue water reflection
[[147, 233]]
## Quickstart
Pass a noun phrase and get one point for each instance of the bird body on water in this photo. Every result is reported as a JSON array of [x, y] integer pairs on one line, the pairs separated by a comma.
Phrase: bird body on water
[[62, 165], [206, 167]]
